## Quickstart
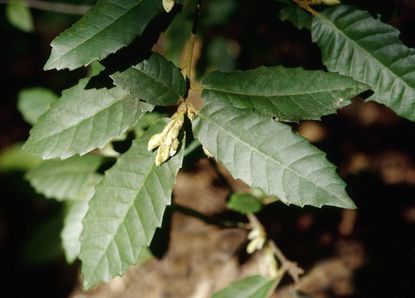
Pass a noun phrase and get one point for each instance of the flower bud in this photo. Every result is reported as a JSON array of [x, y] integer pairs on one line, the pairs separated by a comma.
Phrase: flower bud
[[155, 141], [168, 5]]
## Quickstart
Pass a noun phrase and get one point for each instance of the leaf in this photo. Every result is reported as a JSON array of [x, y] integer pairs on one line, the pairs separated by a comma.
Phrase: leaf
[[244, 203], [71, 179], [126, 209], [72, 228], [83, 120], [13, 158], [34, 102], [107, 27], [289, 94], [355, 44], [295, 15], [250, 287], [19, 15], [155, 80], [267, 154]]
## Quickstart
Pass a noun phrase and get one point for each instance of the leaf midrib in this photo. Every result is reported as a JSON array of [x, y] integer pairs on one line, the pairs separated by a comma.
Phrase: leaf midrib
[[278, 94]]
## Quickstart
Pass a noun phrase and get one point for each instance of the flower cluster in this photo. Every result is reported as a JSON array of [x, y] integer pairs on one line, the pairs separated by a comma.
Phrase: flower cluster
[[167, 141]]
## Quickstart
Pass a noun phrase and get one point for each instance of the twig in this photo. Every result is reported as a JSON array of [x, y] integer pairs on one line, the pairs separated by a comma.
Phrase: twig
[[208, 219], [305, 4], [57, 7], [188, 63]]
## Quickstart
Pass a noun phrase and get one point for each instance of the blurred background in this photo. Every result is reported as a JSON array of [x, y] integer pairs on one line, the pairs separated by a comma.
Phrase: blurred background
[[369, 252]]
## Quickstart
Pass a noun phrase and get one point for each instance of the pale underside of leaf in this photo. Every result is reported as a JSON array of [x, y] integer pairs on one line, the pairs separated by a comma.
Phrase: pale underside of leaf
[[355, 44], [269, 155], [106, 28], [125, 211], [72, 228], [289, 94], [155, 80], [83, 120], [72, 179], [250, 287]]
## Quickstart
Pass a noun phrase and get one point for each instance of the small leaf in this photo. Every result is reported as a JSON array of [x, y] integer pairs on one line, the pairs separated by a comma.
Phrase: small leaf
[[72, 228], [83, 120], [155, 80], [355, 44], [289, 94], [70, 179], [125, 211], [269, 155], [244, 203], [19, 15], [250, 287], [107, 27], [34, 102], [296, 15]]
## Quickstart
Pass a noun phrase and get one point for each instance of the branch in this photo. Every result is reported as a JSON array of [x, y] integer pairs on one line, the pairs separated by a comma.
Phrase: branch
[[57, 7]]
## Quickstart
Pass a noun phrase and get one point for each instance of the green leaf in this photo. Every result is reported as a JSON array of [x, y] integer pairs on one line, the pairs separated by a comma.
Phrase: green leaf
[[34, 102], [14, 158], [71, 179], [250, 287], [19, 15], [107, 27], [155, 80], [126, 209], [355, 44], [289, 94], [269, 155], [72, 228], [83, 120], [244, 203], [296, 15]]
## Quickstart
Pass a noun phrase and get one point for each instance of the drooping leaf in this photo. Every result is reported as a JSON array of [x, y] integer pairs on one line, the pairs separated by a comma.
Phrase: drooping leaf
[[296, 15], [34, 102], [155, 80], [355, 44], [269, 155], [14, 158], [244, 203], [107, 27], [72, 228], [250, 287], [71, 179], [82, 120], [19, 15], [126, 209], [289, 94]]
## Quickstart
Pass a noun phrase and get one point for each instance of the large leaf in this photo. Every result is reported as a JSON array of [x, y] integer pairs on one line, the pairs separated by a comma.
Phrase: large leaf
[[83, 120], [34, 102], [269, 155], [355, 44], [71, 179], [125, 211], [250, 287], [289, 94], [107, 27], [72, 228], [155, 80]]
